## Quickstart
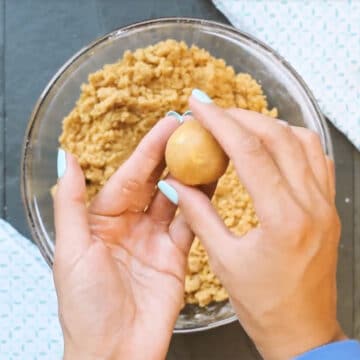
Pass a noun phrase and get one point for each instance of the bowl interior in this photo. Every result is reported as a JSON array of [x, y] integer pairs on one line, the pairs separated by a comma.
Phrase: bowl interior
[[282, 87]]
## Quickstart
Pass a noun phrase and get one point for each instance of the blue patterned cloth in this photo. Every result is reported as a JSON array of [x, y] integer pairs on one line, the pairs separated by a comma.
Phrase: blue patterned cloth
[[29, 326], [321, 39]]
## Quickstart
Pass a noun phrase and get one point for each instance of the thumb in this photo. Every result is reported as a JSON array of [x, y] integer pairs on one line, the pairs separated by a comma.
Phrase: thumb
[[198, 211], [71, 222]]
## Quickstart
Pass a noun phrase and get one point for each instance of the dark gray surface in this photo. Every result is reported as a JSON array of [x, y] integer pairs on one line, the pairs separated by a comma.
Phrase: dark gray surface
[[40, 36], [344, 155], [357, 248]]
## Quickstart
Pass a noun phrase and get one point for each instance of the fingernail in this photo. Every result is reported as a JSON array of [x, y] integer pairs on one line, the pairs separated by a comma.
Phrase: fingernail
[[187, 113], [168, 191], [176, 115], [61, 163], [201, 96]]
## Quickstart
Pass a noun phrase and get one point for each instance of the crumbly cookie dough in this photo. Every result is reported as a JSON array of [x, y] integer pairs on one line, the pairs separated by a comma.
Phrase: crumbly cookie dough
[[121, 102]]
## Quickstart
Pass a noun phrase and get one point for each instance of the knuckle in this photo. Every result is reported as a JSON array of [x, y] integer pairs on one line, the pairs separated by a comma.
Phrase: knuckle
[[131, 186], [234, 112], [312, 138], [147, 157], [276, 181], [276, 135], [251, 145], [307, 174], [300, 228], [284, 130], [297, 226], [303, 219]]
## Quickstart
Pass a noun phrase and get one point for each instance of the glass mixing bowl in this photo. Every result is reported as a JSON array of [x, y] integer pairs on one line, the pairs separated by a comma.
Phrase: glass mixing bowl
[[282, 85]]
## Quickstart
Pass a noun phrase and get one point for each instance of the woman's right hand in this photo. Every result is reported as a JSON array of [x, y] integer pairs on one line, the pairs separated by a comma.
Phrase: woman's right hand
[[281, 276]]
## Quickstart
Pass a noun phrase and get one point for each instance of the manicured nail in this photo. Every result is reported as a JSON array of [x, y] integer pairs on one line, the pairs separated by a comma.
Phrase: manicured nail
[[187, 113], [168, 191], [176, 115], [61, 163], [201, 96]]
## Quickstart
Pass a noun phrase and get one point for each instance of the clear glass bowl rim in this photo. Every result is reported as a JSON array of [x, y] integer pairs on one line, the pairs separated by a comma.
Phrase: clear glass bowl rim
[[38, 234]]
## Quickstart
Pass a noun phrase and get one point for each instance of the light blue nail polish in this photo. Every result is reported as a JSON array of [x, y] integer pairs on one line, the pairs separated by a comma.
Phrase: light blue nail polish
[[176, 115], [61, 163], [168, 191], [201, 96], [187, 113]]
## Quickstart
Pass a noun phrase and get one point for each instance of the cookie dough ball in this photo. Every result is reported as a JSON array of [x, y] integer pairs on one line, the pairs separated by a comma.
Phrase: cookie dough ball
[[193, 156]]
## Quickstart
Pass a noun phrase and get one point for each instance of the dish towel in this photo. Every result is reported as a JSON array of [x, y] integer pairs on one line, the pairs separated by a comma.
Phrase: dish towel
[[29, 327], [320, 39]]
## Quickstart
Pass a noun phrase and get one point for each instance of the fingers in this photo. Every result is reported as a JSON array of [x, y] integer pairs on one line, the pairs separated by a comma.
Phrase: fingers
[[297, 159], [181, 234], [161, 210], [313, 149], [179, 229], [254, 165], [71, 222], [200, 215], [132, 185]]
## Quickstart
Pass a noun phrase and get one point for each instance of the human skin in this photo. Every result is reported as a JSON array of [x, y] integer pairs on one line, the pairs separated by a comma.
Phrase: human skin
[[119, 270], [281, 275]]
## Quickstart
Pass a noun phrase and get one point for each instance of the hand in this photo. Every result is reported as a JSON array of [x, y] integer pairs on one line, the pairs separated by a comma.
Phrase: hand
[[281, 276], [119, 265]]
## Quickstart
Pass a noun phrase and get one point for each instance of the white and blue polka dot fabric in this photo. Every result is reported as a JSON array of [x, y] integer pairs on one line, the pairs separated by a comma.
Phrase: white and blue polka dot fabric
[[29, 326], [321, 39]]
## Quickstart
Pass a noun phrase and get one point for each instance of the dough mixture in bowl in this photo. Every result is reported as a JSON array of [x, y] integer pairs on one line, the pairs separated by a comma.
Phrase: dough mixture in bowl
[[122, 101]]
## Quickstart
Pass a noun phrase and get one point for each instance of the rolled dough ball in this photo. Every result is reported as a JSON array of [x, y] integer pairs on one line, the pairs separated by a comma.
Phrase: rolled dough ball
[[193, 156]]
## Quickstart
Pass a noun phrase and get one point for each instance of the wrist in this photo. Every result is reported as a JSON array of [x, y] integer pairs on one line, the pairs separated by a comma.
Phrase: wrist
[[133, 349], [91, 350], [290, 345], [72, 353]]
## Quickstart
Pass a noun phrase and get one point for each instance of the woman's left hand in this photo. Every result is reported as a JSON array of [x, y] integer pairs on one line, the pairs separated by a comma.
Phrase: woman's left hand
[[120, 264]]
